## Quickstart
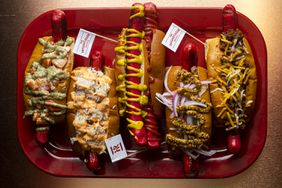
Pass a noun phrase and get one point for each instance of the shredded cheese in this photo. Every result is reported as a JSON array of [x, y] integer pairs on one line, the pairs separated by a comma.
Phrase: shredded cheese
[[232, 77]]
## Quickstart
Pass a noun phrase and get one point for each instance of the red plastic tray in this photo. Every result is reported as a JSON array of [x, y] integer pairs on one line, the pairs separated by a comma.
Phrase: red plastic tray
[[57, 157]]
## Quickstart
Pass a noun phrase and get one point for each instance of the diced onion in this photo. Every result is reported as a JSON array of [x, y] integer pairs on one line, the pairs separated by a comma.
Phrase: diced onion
[[235, 90], [175, 103], [193, 68], [195, 103], [166, 94], [249, 102], [205, 153], [182, 100], [166, 80], [206, 82], [73, 139], [162, 99], [216, 89], [190, 86], [192, 154], [189, 119], [195, 153], [203, 90]]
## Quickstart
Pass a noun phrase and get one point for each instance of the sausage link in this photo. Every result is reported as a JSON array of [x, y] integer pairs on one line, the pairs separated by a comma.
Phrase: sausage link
[[59, 25], [230, 23], [134, 74]]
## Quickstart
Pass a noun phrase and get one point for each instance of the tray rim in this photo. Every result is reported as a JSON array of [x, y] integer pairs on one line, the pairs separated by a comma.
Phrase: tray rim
[[19, 90]]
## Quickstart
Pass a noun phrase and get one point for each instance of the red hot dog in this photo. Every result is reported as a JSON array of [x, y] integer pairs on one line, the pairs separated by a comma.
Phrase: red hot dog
[[92, 112], [188, 108], [156, 58], [47, 77], [59, 25], [135, 91], [231, 65], [230, 23]]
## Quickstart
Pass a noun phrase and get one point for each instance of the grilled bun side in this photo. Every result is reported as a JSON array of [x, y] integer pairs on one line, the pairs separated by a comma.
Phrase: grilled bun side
[[157, 70]]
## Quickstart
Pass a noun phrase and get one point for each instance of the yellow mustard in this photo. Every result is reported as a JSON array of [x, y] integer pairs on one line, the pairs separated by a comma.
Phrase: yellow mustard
[[137, 72]]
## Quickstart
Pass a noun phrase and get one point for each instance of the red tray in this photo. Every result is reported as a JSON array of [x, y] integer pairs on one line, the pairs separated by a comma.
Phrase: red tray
[[57, 158]]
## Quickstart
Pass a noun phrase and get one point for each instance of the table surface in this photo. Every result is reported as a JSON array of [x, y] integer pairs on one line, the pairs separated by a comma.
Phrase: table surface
[[17, 171]]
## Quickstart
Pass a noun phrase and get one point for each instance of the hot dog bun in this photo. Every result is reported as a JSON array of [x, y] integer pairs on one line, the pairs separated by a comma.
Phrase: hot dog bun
[[47, 80], [176, 138], [173, 84], [113, 128], [214, 55], [207, 126], [157, 70], [213, 60]]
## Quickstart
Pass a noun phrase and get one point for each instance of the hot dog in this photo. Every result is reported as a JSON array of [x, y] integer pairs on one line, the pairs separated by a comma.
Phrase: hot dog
[[93, 115], [231, 66], [188, 107], [47, 77], [139, 72]]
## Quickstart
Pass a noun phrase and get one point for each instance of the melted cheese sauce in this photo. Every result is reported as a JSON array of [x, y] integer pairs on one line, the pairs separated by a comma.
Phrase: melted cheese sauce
[[91, 103]]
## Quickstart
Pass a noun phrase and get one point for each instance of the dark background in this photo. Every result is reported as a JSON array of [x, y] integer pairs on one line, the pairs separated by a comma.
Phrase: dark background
[[17, 171]]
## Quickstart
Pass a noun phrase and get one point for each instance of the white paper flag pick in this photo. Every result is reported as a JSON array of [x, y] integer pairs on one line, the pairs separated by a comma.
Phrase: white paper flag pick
[[83, 43], [116, 148], [173, 37]]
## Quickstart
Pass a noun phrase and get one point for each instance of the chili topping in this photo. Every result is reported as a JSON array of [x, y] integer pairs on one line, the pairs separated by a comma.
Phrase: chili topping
[[232, 80]]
